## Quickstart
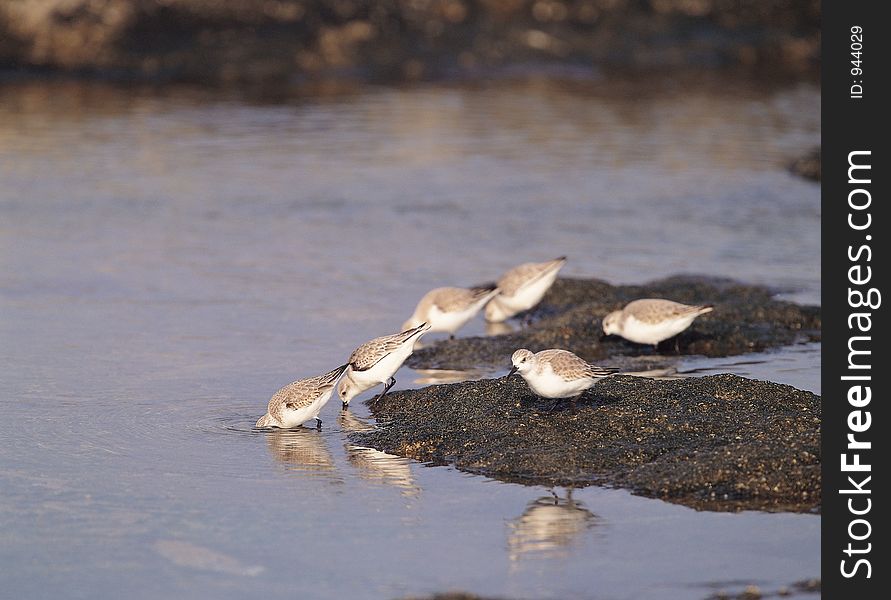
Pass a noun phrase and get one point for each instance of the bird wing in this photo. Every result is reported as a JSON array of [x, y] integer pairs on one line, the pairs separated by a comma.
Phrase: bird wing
[[368, 354], [656, 310], [597, 372], [303, 392], [570, 367], [458, 299], [520, 276]]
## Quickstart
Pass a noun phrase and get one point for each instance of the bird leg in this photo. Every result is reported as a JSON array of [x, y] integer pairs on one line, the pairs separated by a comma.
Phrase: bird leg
[[390, 383], [318, 423], [677, 349]]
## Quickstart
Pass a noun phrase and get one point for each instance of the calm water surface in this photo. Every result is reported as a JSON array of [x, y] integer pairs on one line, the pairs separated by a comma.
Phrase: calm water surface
[[170, 259]]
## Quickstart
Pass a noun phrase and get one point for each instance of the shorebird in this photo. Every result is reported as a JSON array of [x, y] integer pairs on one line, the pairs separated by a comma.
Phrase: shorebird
[[522, 288], [377, 361], [300, 401], [557, 373], [447, 309], [651, 320]]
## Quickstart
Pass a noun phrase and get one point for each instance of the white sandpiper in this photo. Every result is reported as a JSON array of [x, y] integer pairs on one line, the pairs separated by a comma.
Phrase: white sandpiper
[[522, 288], [300, 401], [447, 309], [557, 373], [376, 362], [652, 320]]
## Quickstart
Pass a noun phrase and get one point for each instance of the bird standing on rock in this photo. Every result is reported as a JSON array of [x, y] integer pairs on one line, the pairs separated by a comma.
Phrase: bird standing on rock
[[652, 320], [557, 373], [522, 288], [376, 362], [447, 309]]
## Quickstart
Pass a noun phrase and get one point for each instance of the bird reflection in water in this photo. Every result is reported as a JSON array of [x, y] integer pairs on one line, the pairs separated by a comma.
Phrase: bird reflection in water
[[499, 328], [441, 376], [549, 527], [374, 465], [302, 449], [664, 368]]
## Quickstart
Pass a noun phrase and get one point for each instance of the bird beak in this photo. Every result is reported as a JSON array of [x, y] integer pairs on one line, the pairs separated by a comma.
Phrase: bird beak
[[513, 370]]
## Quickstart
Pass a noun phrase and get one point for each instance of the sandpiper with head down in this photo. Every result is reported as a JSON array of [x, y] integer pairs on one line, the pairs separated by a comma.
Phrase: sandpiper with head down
[[447, 309], [652, 320], [522, 288], [300, 401], [557, 373], [376, 362]]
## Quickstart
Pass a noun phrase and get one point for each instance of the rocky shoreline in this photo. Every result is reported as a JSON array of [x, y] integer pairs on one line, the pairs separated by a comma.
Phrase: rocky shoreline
[[746, 318], [721, 443]]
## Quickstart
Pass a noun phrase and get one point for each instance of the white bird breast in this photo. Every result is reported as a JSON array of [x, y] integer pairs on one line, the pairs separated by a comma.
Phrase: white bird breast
[[449, 322], [383, 369], [293, 418], [548, 384], [653, 333], [530, 295]]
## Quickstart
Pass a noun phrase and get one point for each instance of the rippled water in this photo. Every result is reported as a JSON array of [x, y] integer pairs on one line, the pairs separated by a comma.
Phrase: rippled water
[[170, 258]]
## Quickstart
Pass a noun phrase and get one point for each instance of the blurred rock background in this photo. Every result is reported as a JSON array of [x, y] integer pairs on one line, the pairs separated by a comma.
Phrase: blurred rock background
[[278, 41]]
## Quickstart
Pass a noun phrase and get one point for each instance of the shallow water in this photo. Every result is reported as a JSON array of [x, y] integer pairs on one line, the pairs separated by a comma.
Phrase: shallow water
[[169, 259]]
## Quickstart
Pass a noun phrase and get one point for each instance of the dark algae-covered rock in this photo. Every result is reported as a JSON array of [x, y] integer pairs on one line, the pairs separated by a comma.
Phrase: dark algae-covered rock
[[809, 166], [716, 443], [746, 319], [754, 592]]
